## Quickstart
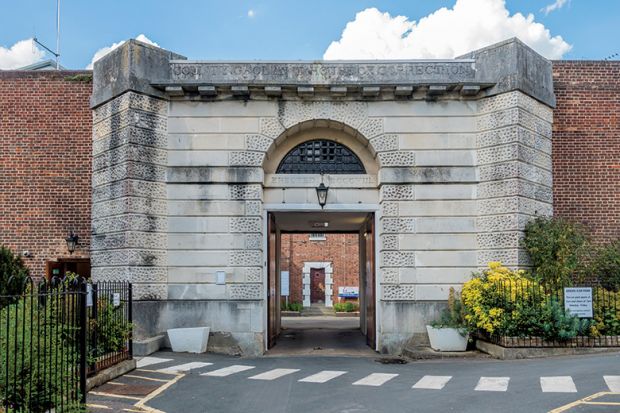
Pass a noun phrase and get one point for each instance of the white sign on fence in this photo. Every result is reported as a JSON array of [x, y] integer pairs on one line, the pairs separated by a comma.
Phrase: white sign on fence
[[348, 292], [116, 299], [578, 301], [89, 295], [284, 283]]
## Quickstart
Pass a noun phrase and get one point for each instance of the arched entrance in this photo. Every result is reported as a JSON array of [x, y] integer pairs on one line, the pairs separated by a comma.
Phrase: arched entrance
[[340, 160]]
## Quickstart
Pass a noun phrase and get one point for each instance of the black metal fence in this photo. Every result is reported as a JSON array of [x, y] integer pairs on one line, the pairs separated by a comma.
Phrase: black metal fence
[[552, 315], [53, 335]]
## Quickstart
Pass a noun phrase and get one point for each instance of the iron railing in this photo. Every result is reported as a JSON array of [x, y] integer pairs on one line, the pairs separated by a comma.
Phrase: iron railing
[[526, 302], [56, 333]]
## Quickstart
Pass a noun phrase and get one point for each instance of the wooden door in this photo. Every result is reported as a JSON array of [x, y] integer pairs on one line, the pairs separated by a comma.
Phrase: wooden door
[[317, 285], [369, 282], [272, 276]]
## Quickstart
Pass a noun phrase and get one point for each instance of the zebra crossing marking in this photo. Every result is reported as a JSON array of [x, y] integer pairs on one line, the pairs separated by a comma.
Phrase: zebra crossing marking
[[273, 374], [558, 384], [375, 379], [613, 383], [432, 382], [182, 368], [149, 361], [323, 376], [492, 384], [227, 371]]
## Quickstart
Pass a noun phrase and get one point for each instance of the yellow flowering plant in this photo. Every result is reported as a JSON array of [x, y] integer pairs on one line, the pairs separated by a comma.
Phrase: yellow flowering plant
[[502, 301]]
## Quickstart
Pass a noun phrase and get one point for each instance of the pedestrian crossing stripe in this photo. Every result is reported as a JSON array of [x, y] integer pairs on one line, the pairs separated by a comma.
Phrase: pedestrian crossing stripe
[[227, 371], [558, 384], [323, 376], [375, 379], [492, 384], [273, 374], [432, 382], [613, 383], [182, 368], [149, 361]]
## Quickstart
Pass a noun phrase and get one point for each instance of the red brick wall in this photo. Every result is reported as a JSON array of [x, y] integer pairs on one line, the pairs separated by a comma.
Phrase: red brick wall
[[586, 145], [45, 163], [342, 250]]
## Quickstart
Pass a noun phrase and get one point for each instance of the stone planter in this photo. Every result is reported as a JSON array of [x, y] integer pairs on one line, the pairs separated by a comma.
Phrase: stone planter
[[190, 340], [447, 339]]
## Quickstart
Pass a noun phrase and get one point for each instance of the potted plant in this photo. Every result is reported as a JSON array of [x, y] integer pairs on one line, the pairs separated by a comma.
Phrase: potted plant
[[450, 332]]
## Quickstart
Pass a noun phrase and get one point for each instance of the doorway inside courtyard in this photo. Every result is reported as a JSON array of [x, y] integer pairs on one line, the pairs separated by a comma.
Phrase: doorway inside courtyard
[[321, 283]]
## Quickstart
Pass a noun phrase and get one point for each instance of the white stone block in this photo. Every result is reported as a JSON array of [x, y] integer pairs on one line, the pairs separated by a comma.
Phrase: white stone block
[[436, 141], [445, 192], [213, 125], [437, 241], [441, 208], [197, 191], [234, 108], [207, 141], [198, 158], [457, 124], [422, 108], [445, 158], [445, 225], [446, 258], [198, 224]]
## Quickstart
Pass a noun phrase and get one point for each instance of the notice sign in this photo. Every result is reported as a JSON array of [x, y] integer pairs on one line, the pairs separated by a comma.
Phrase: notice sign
[[116, 299], [578, 301], [284, 283], [348, 292]]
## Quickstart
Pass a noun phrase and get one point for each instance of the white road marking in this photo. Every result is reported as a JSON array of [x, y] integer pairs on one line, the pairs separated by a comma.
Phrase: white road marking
[[273, 374], [492, 384], [148, 361], [181, 368], [227, 371], [613, 382], [323, 376], [375, 379], [432, 382], [558, 384]]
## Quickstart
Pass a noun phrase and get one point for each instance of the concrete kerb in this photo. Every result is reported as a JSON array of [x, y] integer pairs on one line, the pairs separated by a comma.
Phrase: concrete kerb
[[516, 353], [110, 373]]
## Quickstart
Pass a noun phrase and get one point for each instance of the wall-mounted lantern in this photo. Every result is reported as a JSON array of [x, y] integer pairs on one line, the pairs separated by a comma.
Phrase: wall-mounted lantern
[[321, 193], [72, 242]]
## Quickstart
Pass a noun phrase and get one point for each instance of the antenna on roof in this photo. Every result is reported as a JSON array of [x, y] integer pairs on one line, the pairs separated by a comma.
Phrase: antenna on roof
[[57, 52], [611, 56]]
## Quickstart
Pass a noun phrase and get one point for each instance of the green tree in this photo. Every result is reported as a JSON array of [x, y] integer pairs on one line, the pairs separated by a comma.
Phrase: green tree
[[557, 249], [11, 266]]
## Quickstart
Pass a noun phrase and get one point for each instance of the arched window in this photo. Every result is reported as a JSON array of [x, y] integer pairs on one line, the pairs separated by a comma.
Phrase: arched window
[[321, 156]]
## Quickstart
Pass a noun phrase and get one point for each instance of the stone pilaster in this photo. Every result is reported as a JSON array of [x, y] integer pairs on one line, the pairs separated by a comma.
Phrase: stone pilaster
[[514, 160], [129, 222]]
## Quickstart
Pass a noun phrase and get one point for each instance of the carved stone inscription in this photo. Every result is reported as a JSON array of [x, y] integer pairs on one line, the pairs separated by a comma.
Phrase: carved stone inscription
[[324, 72]]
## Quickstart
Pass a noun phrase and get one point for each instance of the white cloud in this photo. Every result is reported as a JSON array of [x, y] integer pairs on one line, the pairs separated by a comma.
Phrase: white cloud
[[445, 33], [105, 50], [251, 13], [22, 53], [557, 4]]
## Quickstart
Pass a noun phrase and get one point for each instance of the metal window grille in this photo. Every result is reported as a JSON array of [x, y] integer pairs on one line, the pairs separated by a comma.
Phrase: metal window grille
[[321, 156], [317, 236]]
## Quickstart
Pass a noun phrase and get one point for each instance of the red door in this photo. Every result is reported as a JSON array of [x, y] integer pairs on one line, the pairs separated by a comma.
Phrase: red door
[[272, 284], [317, 285]]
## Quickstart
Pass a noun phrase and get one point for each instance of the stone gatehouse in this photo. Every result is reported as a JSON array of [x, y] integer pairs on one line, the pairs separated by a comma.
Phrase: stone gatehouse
[[448, 160]]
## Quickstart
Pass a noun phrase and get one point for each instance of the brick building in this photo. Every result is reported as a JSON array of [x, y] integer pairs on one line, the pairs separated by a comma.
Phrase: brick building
[[45, 166], [187, 180], [339, 250], [586, 145]]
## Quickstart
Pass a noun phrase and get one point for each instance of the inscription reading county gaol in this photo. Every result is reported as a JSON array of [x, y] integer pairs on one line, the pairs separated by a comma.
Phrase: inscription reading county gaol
[[321, 73]]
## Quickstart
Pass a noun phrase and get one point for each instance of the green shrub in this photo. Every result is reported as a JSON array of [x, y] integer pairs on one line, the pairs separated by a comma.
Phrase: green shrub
[[347, 307], [46, 359], [558, 324], [295, 306], [111, 329], [557, 249], [606, 266], [11, 265]]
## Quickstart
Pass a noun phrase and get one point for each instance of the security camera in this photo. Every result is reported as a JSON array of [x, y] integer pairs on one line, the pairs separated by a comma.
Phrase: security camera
[[26, 254]]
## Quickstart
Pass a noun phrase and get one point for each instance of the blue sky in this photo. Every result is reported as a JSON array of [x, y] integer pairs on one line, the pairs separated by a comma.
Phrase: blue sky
[[278, 29]]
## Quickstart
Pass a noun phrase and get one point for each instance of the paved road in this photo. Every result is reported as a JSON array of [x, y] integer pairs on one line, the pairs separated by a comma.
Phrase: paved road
[[212, 383]]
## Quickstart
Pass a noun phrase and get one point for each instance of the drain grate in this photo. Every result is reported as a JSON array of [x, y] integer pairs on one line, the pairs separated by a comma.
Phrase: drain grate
[[391, 360]]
